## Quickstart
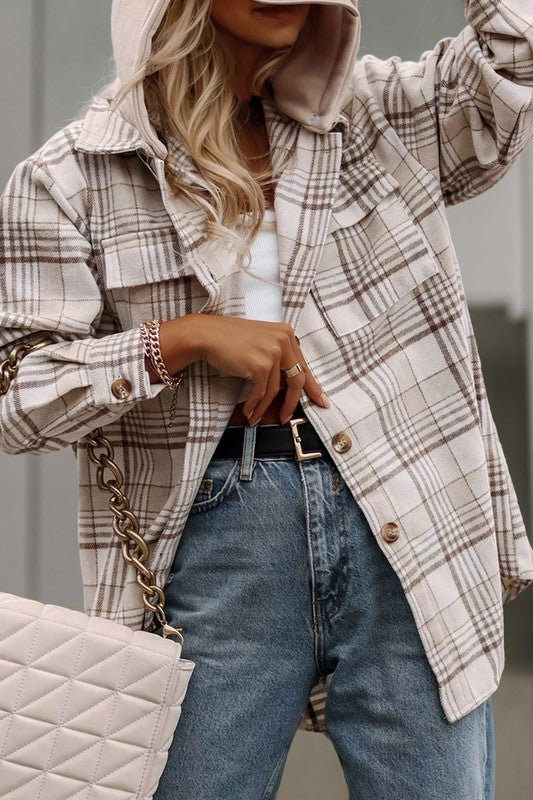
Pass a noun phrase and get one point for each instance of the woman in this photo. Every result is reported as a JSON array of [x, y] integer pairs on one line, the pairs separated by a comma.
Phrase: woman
[[278, 205]]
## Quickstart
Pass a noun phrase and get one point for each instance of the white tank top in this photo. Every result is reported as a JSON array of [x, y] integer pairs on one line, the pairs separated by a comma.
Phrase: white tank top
[[262, 288]]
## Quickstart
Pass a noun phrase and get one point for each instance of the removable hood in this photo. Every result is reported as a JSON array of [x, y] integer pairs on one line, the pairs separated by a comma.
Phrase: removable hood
[[310, 88]]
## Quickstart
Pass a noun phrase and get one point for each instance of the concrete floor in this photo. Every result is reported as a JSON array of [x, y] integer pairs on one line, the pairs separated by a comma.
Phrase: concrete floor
[[313, 772]]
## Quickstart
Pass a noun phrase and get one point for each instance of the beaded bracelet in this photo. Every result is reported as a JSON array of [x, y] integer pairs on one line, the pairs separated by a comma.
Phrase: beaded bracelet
[[152, 351]]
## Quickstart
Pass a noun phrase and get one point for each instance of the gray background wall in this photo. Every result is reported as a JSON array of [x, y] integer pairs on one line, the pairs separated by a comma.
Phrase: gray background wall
[[53, 55]]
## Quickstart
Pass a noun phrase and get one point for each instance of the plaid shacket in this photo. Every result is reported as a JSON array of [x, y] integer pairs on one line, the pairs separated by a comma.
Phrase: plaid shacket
[[92, 243]]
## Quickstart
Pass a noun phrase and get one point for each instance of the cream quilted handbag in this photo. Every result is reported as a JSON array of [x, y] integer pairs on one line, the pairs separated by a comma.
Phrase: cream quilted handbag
[[88, 707]]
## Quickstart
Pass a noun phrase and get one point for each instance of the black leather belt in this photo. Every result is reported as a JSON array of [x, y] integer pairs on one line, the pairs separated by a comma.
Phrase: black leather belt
[[297, 438]]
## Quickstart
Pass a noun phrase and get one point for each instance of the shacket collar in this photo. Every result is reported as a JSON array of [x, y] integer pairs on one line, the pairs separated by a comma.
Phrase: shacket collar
[[104, 130]]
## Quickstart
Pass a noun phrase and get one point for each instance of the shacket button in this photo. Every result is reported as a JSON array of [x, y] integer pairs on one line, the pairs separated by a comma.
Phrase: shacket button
[[341, 442], [121, 389], [390, 532]]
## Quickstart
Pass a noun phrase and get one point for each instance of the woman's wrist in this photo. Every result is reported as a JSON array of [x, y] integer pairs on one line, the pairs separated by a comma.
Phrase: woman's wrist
[[178, 344], [154, 377]]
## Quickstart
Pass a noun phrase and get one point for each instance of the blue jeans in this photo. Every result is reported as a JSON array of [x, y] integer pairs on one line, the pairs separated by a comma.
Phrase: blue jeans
[[277, 580]]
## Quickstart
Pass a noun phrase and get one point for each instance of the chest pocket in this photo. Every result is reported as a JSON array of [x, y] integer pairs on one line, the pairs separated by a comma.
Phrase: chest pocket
[[375, 256], [145, 277]]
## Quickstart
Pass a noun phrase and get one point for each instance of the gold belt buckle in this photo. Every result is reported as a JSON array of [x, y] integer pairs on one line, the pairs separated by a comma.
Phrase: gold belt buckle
[[300, 455]]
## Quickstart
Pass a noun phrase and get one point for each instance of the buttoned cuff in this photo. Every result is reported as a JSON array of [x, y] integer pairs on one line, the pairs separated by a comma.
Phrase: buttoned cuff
[[116, 371]]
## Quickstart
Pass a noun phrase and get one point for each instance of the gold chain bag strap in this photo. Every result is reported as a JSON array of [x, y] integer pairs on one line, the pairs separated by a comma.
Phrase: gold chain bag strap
[[87, 705]]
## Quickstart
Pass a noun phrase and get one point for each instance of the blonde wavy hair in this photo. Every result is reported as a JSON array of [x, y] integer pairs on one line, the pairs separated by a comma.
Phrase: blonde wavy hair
[[188, 92]]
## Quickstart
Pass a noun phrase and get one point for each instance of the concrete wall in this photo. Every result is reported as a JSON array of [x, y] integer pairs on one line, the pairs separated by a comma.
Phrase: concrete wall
[[53, 54]]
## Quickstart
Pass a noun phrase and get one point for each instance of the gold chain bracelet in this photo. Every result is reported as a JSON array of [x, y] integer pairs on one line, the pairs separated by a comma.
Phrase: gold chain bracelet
[[152, 350]]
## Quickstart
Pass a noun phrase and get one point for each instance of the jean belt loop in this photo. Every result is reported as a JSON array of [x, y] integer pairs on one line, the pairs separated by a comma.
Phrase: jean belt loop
[[248, 450]]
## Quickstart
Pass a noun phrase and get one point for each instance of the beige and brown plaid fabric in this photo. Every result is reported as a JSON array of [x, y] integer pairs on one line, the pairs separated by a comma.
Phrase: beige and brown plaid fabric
[[92, 244]]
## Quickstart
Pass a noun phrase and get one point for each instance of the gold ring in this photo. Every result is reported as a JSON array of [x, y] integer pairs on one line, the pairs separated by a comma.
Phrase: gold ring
[[292, 371]]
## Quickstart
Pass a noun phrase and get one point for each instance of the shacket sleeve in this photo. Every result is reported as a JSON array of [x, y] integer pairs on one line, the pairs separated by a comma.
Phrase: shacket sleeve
[[465, 110], [48, 285]]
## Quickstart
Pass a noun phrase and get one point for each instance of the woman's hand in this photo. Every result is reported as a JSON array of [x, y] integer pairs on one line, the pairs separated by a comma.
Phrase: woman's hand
[[244, 348]]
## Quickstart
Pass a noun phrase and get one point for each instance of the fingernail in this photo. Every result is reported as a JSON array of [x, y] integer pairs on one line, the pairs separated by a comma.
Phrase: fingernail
[[285, 419], [324, 399]]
